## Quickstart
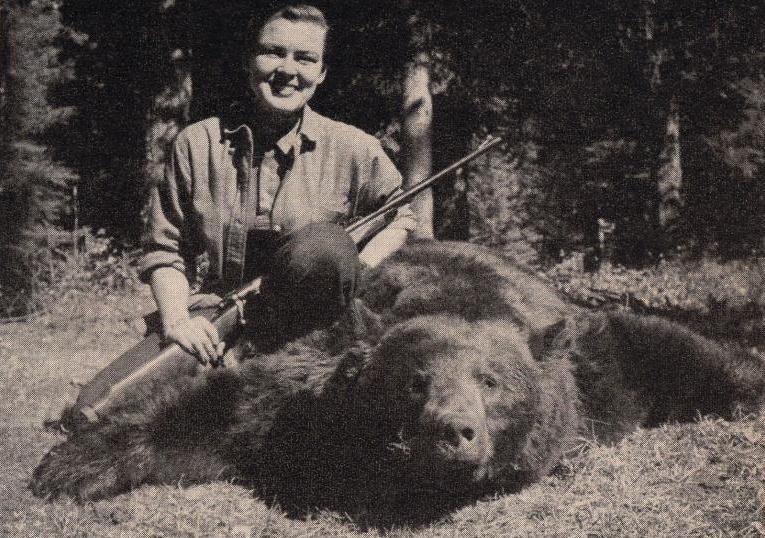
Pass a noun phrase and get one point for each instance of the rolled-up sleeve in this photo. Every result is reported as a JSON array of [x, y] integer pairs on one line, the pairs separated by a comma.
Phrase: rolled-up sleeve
[[382, 181], [163, 244]]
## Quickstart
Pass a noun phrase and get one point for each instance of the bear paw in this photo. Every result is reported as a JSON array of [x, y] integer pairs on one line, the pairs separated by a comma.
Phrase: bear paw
[[71, 470]]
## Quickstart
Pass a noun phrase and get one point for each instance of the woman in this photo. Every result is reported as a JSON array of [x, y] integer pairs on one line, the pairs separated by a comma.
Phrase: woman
[[262, 190]]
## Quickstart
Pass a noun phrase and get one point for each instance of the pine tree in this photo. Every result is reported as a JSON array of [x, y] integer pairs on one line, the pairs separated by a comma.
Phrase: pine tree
[[33, 186]]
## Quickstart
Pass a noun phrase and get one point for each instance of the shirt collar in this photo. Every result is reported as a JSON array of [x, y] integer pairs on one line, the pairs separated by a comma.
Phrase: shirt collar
[[302, 136], [310, 125], [291, 140]]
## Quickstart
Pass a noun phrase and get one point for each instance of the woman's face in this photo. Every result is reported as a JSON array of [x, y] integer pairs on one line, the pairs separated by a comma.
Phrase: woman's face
[[287, 65]]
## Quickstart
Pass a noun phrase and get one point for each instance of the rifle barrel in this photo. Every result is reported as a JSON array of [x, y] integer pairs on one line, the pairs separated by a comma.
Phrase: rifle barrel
[[394, 202], [417, 188]]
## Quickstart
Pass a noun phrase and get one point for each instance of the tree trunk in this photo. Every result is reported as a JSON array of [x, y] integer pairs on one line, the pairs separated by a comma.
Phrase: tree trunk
[[16, 194], [417, 160], [169, 114], [664, 80], [5, 52], [669, 176]]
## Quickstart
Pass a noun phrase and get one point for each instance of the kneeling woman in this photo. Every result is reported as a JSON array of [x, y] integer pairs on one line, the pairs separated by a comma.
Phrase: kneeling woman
[[261, 189]]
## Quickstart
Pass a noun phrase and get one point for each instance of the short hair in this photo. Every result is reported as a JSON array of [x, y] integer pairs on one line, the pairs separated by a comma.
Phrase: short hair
[[301, 12], [293, 12]]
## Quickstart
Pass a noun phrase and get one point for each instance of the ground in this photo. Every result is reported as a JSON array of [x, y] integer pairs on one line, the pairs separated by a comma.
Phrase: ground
[[697, 479]]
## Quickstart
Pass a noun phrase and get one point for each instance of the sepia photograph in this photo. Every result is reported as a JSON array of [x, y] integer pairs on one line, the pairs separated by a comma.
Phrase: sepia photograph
[[396, 268]]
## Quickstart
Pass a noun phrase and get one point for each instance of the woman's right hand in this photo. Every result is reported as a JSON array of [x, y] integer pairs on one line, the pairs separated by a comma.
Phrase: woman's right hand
[[197, 336]]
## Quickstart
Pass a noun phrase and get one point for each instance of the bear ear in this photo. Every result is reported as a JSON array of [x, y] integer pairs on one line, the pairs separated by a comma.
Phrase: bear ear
[[542, 338]]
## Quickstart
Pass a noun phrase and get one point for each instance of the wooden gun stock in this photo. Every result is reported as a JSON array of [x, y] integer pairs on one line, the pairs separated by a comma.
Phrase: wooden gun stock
[[170, 360]]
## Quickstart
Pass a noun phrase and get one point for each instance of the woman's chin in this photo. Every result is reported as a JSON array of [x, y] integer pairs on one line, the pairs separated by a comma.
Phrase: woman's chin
[[281, 105]]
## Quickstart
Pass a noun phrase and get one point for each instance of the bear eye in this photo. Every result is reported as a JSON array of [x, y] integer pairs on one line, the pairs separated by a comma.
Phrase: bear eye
[[489, 382], [418, 386]]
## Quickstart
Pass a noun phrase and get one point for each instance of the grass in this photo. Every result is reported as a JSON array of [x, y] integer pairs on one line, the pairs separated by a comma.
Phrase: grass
[[725, 301], [702, 479], [692, 286]]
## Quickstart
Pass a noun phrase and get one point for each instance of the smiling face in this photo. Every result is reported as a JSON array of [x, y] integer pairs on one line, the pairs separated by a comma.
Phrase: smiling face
[[286, 65]]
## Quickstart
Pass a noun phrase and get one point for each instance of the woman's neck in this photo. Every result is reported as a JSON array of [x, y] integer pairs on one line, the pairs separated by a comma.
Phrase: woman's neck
[[270, 127]]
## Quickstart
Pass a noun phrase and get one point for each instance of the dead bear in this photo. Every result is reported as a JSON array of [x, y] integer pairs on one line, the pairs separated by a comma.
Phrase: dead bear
[[441, 398]]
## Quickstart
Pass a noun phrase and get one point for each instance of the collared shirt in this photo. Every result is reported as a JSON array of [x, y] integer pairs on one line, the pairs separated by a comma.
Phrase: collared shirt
[[218, 186]]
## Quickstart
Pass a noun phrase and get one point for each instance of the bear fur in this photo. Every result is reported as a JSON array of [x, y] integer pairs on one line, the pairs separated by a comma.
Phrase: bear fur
[[471, 375]]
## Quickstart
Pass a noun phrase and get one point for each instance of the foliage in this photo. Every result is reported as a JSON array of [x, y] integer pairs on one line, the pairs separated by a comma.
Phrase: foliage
[[121, 58], [602, 87], [58, 273], [732, 179], [581, 91], [34, 187], [725, 300], [501, 195]]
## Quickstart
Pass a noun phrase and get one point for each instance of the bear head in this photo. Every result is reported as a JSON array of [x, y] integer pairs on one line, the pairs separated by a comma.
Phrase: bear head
[[463, 407]]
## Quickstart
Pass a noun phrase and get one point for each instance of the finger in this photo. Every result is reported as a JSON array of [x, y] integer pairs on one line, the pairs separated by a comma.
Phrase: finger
[[209, 348], [211, 342], [196, 340], [220, 348], [204, 345], [184, 342], [200, 354], [210, 329]]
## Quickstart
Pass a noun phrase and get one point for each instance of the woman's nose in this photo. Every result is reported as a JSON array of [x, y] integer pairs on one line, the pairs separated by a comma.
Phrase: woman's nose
[[288, 66]]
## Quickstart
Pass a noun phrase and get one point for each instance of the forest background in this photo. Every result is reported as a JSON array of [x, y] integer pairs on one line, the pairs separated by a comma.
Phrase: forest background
[[634, 130]]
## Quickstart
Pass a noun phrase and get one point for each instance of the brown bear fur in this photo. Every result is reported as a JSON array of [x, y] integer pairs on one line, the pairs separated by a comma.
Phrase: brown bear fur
[[440, 398], [470, 281], [644, 371]]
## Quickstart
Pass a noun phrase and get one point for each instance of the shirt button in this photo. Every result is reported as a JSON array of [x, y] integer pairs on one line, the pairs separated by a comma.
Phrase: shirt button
[[277, 228]]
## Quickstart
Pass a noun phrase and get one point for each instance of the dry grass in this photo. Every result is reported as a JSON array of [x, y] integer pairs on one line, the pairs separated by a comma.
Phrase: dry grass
[[683, 285], [703, 479]]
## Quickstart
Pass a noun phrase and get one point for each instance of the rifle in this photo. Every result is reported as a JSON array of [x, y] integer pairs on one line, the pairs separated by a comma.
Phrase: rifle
[[229, 317]]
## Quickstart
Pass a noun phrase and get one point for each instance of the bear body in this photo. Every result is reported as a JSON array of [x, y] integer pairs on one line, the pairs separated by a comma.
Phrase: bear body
[[472, 375]]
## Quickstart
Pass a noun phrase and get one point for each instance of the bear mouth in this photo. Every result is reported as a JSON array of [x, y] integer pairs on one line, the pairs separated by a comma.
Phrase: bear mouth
[[428, 464], [433, 476]]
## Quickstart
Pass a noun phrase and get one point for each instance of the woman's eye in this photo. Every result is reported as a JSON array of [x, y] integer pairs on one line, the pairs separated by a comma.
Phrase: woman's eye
[[271, 53]]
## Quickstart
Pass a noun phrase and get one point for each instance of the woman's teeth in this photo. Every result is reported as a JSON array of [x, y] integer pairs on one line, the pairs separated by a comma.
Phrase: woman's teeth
[[284, 91]]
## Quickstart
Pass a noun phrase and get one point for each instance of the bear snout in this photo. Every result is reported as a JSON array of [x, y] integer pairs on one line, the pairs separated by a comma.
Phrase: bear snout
[[458, 430], [460, 439]]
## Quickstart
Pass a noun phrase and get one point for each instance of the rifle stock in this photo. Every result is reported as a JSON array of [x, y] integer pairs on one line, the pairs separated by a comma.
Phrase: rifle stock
[[170, 360], [173, 360]]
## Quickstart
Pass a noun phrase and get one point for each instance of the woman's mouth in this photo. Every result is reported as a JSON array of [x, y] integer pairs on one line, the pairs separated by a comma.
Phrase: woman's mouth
[[283, 90]]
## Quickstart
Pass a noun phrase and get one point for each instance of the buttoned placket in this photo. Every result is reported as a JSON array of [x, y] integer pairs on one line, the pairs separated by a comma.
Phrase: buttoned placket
[[236, 238], [279, 165], [247, 212]]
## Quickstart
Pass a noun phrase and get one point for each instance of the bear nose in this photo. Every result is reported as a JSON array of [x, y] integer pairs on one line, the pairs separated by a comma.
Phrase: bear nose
[[457, 434]]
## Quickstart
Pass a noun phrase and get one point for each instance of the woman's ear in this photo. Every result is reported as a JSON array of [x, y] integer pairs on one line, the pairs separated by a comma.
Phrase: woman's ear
[[323, 74]]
